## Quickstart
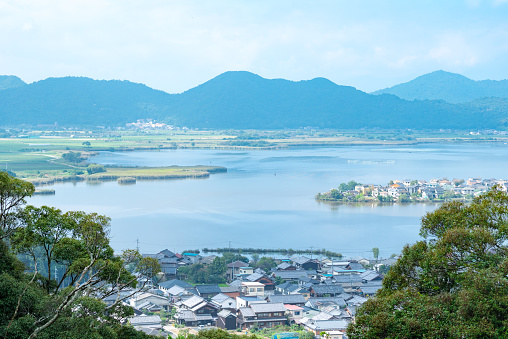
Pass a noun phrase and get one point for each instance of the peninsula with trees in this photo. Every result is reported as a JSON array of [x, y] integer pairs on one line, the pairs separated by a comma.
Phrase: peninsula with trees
[[411, 191]]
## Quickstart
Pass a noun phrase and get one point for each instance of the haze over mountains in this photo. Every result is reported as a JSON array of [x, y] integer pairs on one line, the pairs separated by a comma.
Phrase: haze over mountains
[[451, 87], [243, 100]]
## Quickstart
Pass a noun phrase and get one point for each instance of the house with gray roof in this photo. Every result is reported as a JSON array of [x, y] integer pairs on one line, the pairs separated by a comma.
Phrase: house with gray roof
[[319, 326], [305, 263], [291, 299], [261, 278], [166, 285], [224, 302], [370, 276], [326, 290], [321, 303], [191, 319], [356, 301], [208, 291], [153, 321], [226, 320], [294, 275], [264, 315]]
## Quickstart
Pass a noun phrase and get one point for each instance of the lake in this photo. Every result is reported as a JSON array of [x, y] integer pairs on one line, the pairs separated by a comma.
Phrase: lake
[[266, 199]]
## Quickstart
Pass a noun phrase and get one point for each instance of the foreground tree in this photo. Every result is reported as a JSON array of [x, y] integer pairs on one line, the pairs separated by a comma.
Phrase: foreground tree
[[35, 305], [13, 192], [452, 284]]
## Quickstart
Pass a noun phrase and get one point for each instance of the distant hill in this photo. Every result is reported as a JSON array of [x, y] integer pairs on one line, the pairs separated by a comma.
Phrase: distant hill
[[80, 101], [10, 81], [237, 100], [451, 87]]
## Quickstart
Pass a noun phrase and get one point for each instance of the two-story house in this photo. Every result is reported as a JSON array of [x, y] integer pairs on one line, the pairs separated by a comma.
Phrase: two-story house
[[264, 315]]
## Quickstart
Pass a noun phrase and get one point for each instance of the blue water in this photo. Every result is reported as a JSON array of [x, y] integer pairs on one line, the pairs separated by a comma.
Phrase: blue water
[[266, 199]]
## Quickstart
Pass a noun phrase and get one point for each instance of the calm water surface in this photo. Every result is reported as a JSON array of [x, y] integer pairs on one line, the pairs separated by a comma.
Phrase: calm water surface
[[267, 197]]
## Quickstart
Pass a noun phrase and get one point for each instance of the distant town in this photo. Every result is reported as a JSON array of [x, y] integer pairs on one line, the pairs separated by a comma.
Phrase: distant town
[[264, 294], [435, 190]]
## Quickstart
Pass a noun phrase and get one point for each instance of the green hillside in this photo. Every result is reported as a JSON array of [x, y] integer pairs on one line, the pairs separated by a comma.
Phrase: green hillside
[[451, 87], [238, 100]]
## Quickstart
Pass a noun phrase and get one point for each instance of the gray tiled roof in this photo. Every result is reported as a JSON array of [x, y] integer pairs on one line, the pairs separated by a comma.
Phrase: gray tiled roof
[[225, 313], [370, 289], [347, 278], [370, 275], [235, 283], [186, 315], [229, 289], [175, 282], [284, 265], [356, 266], [327, 289], [167, 253], [144, 320], [356, 300], [220, 298], [287, 299], [247, 312], [294, 274], [316, 302], [193, 301], [323, 325], [300, 260], [268, 307], [207, 289], [254, 277]]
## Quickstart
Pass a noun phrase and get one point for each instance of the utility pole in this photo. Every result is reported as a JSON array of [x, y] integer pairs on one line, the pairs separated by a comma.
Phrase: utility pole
[[137, 245]]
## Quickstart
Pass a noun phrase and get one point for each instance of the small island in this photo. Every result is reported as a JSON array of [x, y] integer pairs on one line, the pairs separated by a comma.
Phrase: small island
[[411, 191]]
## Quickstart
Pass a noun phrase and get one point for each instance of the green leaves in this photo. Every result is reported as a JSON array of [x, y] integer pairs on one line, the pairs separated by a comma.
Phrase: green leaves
[[453, 284], [12, 197]]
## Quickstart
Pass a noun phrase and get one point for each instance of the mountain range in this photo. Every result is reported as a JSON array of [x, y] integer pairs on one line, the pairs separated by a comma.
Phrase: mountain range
[[451, 87], [242, 100]]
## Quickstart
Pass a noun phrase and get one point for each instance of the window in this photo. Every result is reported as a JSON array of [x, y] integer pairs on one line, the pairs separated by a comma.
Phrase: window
[[260, 289], [251, 289], [297, 312]]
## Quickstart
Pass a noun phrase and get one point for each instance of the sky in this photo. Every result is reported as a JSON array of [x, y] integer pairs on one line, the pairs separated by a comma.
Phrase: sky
[[175, 45]]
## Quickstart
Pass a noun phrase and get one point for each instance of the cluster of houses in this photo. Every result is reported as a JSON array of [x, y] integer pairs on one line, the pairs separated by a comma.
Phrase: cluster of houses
[[320, 295], [421, 190]]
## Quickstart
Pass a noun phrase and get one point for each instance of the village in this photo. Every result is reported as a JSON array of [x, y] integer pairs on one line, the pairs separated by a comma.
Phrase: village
[[405, 191], [319, 297]]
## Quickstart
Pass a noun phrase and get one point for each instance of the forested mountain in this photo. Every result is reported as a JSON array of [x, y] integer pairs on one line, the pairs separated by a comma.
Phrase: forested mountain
[[451, 87], [237, 100], [10, 81]]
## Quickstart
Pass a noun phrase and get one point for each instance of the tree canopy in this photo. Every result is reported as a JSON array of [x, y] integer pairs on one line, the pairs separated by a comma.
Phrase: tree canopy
[[451, 284], [34, 304]]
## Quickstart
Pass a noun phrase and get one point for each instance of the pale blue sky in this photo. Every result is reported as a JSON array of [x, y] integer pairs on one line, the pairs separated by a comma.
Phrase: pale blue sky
[[176, 45]]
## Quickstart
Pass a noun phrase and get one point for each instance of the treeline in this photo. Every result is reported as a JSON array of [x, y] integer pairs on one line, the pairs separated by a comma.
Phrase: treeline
[[284, 251]]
